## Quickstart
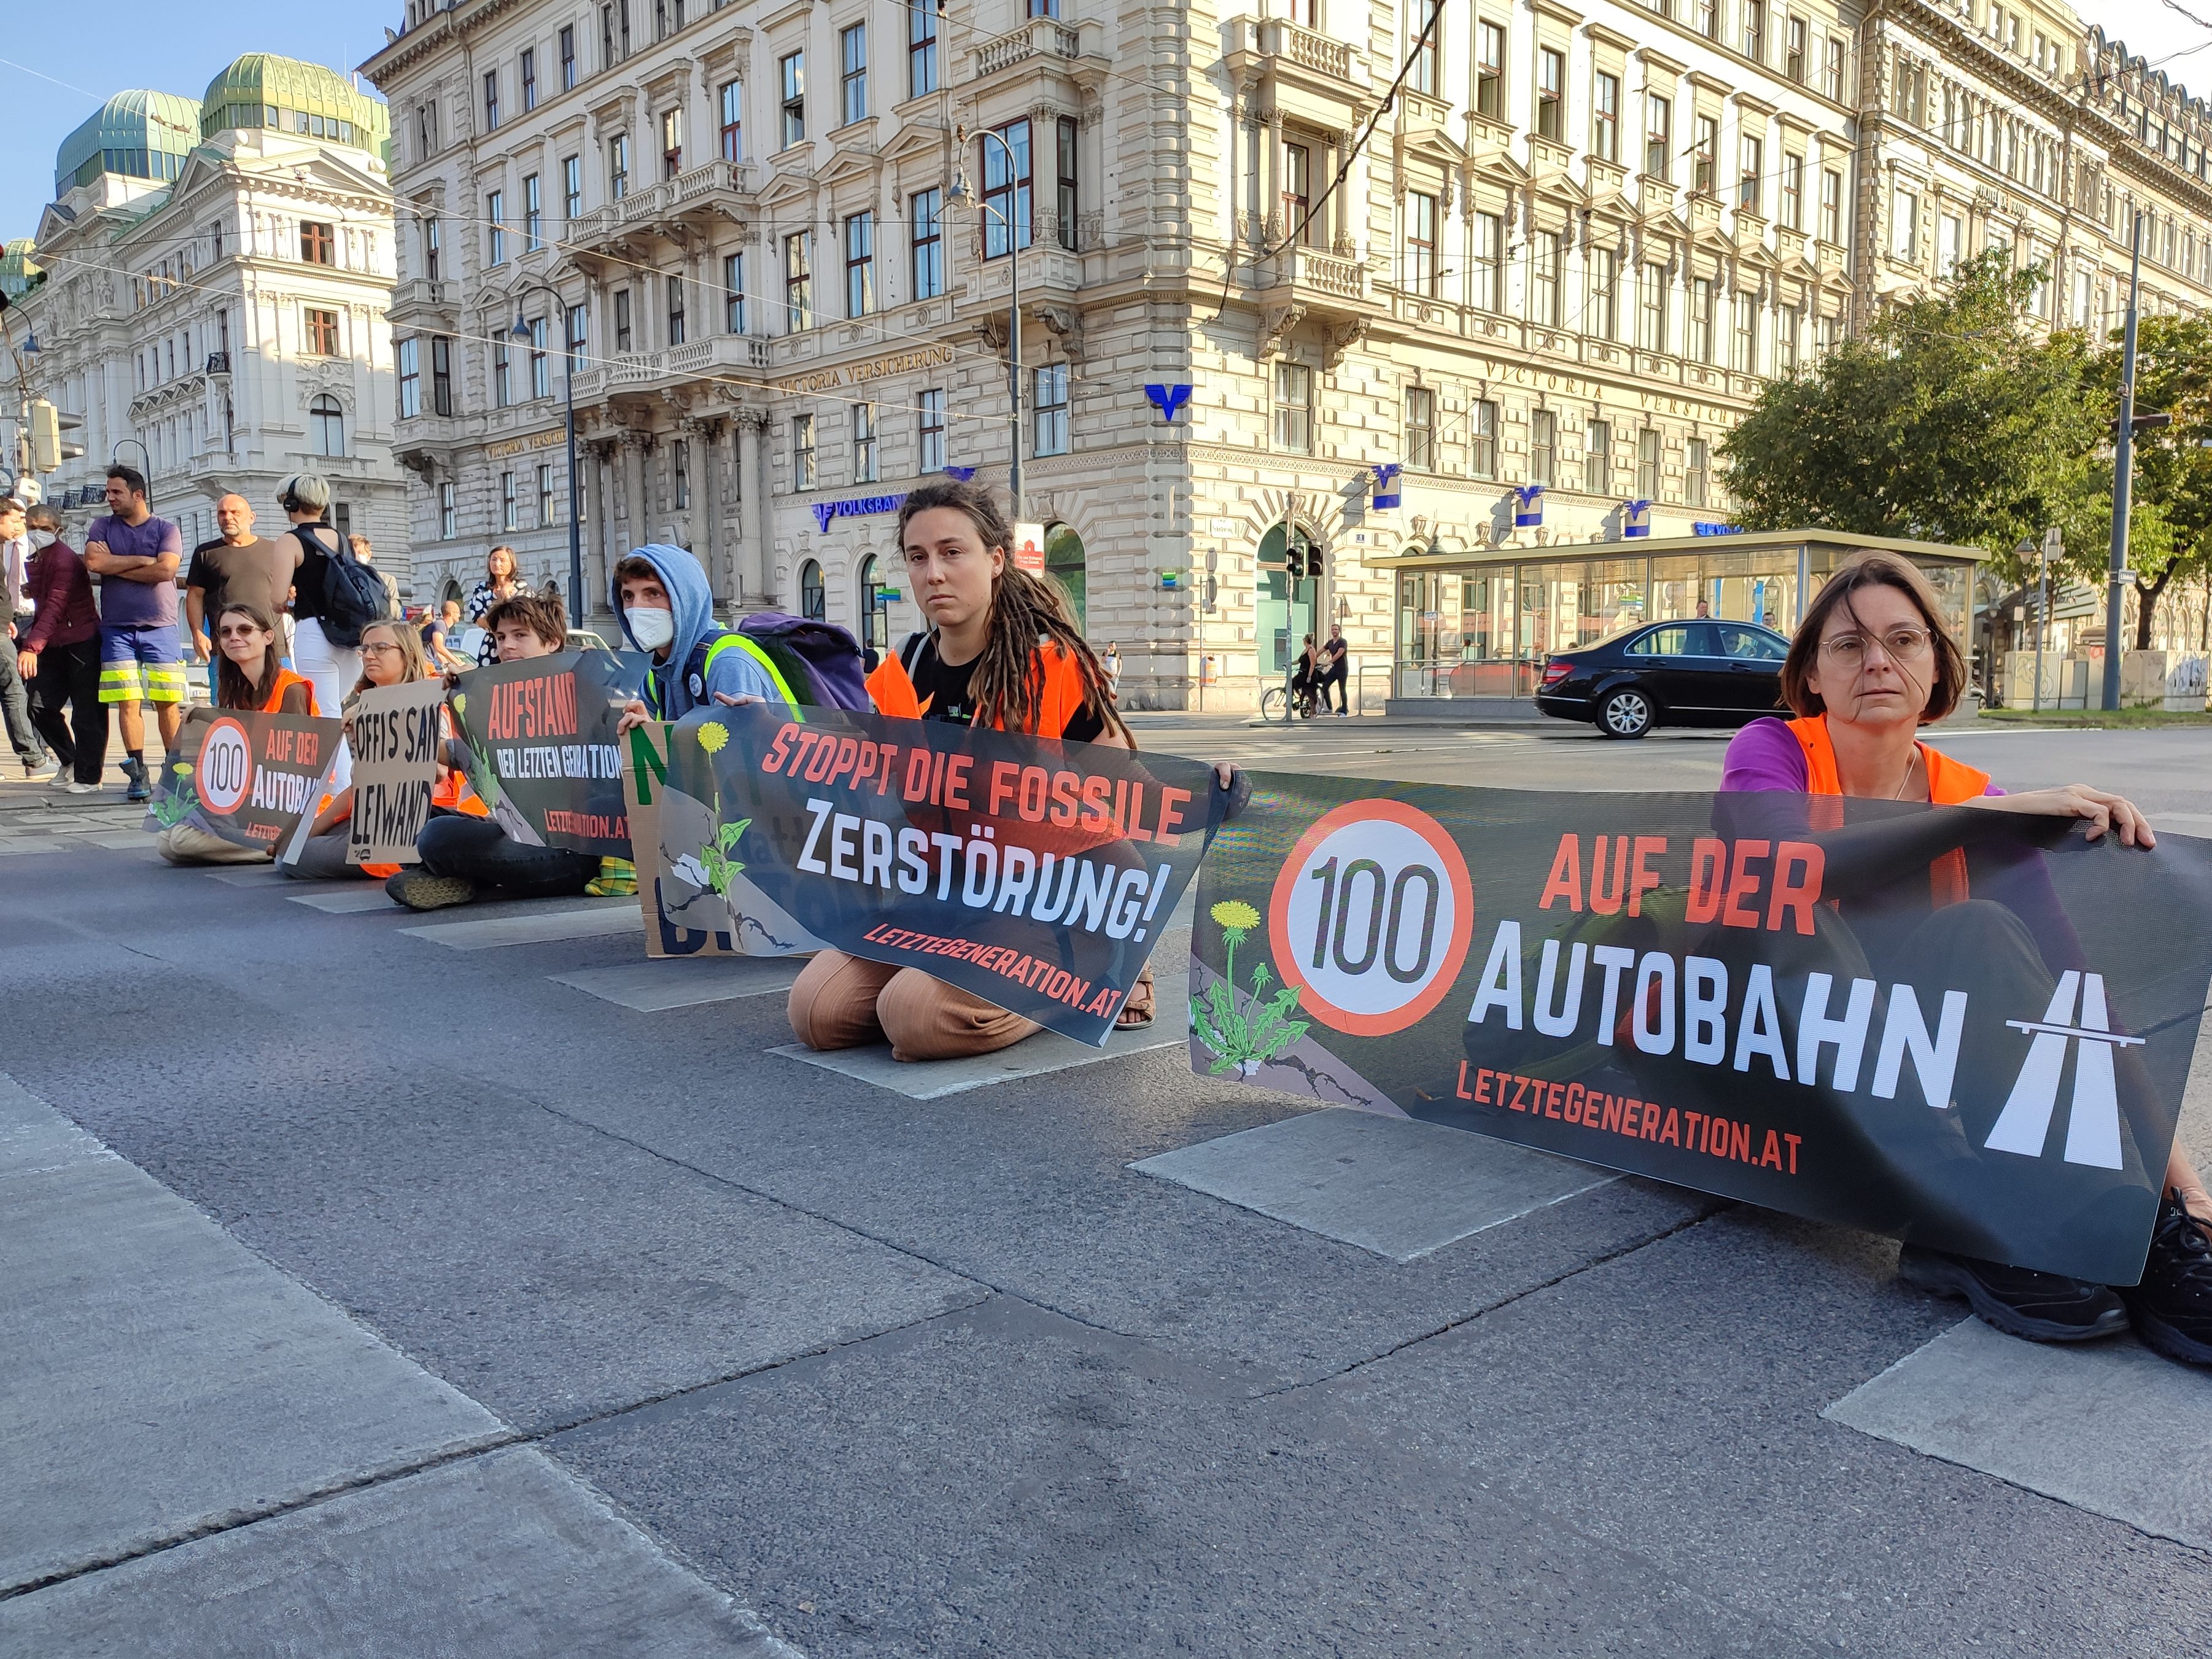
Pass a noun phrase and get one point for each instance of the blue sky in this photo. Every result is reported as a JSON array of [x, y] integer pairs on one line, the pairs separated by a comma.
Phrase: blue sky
[[177, 45], [97, 47]]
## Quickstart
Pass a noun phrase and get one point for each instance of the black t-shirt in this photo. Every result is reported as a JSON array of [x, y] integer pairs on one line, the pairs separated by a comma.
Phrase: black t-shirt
[[314, 569], [942, 691]]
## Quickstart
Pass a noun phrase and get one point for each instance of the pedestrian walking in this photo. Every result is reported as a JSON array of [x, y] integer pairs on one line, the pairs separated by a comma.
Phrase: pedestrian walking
[[333, 667], [1111, 662], [236, 565], [57, 651], [1335, 669], [14, 606], [501, 582], [438, 629], [367, 555], [141, 661]]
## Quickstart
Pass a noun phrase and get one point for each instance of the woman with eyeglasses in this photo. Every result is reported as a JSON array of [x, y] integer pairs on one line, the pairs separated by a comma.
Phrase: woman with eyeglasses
[[1871, 663], [390, 654], [251, 677]]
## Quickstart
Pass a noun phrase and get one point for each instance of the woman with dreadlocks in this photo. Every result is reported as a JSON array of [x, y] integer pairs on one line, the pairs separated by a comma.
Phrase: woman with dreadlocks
[[1002, 649]]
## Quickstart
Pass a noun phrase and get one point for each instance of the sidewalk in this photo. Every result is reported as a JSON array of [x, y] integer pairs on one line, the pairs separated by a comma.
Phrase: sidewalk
[[37, 818]]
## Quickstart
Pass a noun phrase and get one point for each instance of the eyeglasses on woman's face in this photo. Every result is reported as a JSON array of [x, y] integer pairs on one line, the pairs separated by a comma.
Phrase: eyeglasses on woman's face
[[1899, 644], [381, 648], [243, 631]]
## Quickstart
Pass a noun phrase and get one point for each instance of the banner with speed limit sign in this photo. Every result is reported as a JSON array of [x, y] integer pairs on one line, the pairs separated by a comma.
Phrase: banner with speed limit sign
[[1936, 1023]]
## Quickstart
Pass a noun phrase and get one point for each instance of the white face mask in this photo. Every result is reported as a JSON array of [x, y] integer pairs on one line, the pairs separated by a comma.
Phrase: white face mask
[[41, 540], [650, 627]]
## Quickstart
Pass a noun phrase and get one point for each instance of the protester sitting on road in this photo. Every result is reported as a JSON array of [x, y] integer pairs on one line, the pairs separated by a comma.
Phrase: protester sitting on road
[[466, 856], [57, 653], [1003, 650], [390, 654], [501, 581], [1870, 663], [249, 675], [667, 610]]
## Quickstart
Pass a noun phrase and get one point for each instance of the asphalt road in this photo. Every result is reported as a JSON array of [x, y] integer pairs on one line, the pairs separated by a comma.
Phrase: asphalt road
[[459, 1311]]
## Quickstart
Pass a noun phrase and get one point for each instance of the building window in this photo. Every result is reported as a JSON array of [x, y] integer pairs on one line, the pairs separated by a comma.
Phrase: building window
[[1743, 341], [1658, 136], [802, 452], [1006, 190], [1832, 207], [529, 78], [1708, 16], [1696, 470], [496, 228], [863, 443], [1705, 154], [1420, 444], [545, 514], [1605, 117], [541, 367], [441, 374], [679, 473], [1651, 307], [618, 167], [1754, 30], [921, 49], [671, 142], [1787, 321], [1701, 319], [1793, 191], [503, 376], [1066, 202], [928, 256], [1793, 56], [1428, 48], [1904, 226], [675, 335], [317, 246], [1482, 439], [491, 100], [1050, 399], [1293, 408], [929, 432], [1544, 278], [798, 282], [731, 100], [533, 216], [1550, 94], [432, 248], [875, 609], [1750, 176], [813, 599], [1490, 71], [572, 188], [859, 264], [1597, 458], [327, 425], [1832, 68], [426, 131], [1647, 463], [322, 332], [1543, 446], [1486, 261], [1950, 233], [1602, 313], [733, 293], [1420, 276], [567, 57], [852, 73], [510, 506], [407, 360], [791, 72], [449, 511], [1298, 192], [624, 333], [573, 329]]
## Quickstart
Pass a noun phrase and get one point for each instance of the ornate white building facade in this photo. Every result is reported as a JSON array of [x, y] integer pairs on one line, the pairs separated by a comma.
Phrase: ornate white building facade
[[214, 277], [1468, 376]]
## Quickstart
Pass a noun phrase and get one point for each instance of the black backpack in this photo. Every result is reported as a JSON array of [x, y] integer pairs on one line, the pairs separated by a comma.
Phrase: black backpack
[[353, 594]]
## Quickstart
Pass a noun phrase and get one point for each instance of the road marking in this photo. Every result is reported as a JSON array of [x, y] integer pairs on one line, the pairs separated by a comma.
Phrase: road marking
[[348, 901], [652, 987], [537, 927], [1395, 1186], [2109, 1427]]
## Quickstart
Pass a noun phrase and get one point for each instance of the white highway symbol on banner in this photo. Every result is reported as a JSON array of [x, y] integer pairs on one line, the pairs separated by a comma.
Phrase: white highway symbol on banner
[[2092, 1129]]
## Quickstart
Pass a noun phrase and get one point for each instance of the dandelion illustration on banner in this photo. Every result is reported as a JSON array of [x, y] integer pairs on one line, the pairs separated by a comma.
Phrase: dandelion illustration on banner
[[1239, 1042]]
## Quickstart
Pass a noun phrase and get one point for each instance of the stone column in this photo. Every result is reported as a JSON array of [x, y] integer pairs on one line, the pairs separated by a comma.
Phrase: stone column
[[703, 515], [753, 482], [637, 525]]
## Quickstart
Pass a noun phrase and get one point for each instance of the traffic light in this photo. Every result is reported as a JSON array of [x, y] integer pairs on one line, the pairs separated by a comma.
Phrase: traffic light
[[45, 436]]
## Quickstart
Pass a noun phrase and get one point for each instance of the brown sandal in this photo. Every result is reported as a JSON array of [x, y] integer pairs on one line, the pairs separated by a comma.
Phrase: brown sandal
[[1138, 1008]]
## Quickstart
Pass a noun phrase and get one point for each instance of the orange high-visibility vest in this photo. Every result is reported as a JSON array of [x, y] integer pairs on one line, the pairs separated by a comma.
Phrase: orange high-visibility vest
[[892, 690], [1950, 783]]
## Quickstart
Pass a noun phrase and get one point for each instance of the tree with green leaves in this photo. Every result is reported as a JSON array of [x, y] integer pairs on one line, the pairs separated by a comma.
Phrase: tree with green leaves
[[1952, 418], [2170, 523]]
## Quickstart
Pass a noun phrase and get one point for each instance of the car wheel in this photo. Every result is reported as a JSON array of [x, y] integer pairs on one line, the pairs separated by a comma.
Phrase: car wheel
[[1626, 714]]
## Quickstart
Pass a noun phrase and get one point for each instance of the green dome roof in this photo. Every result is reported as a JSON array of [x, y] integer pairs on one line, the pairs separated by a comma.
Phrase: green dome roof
[[140, 134], [18, 270], [262, 89]]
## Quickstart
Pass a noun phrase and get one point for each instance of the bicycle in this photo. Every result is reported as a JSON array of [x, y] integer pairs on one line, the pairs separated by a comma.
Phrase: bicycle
[[1288, 700]]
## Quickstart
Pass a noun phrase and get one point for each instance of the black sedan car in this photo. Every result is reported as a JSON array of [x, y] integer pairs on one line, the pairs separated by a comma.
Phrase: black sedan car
[[1668, 673]]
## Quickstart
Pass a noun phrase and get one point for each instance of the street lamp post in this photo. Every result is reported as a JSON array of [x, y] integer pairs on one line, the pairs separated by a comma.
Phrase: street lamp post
[[957, 196], [2123, 475], [521, 331]]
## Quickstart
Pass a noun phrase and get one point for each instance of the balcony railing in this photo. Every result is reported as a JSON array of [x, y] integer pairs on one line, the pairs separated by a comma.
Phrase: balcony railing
[[687, 191], [1280, 38], [1041, 37]]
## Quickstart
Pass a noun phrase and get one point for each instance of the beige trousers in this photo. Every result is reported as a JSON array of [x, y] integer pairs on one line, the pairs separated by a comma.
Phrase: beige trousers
[[180, 844], [842, 1002]]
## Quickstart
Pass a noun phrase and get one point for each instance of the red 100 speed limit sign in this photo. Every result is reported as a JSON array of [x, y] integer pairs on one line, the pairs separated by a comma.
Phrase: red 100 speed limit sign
[[1372, 915]]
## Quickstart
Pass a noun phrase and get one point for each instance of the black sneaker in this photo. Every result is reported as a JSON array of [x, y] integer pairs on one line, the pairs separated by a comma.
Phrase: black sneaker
[[2172, 1307], [418, 890], [135, 770], [2018, 1301]]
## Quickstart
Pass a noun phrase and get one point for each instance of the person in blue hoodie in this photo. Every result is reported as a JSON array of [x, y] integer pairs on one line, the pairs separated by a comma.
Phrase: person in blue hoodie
[[661, 594]]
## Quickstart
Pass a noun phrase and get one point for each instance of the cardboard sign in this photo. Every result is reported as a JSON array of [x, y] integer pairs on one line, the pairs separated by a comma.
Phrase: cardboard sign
[[395, 741], [247, 778], [1937, 1023]]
